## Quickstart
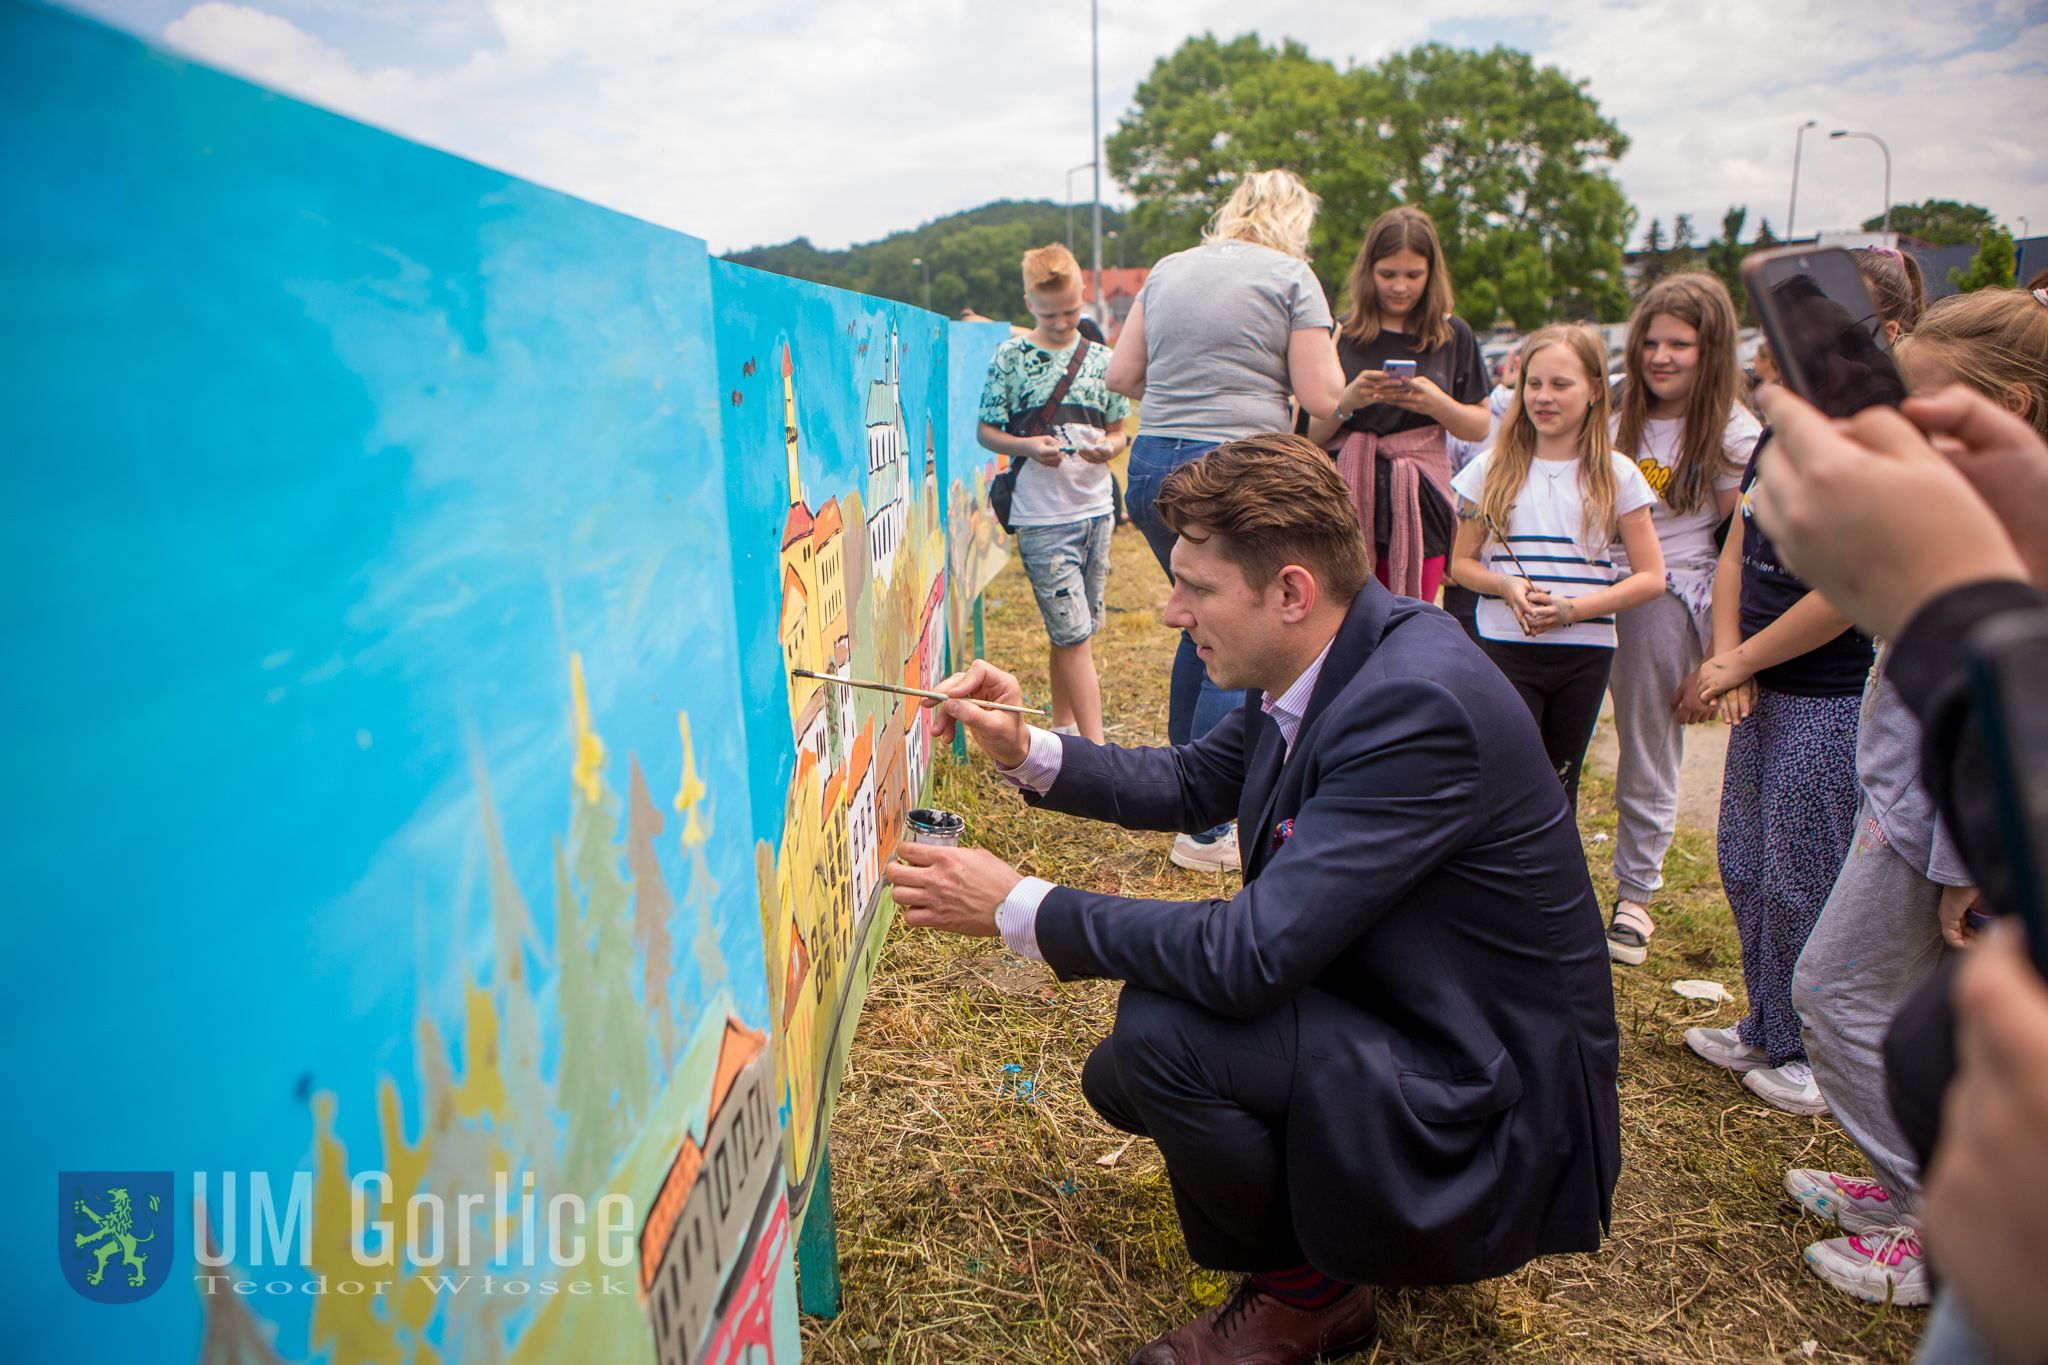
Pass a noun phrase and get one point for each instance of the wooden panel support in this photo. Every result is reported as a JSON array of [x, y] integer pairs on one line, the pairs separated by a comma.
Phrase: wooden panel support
[[817, 1247]]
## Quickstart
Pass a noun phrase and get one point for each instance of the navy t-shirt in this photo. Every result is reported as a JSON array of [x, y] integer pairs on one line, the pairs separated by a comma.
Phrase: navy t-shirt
[[1456, 367], [1838, 668]]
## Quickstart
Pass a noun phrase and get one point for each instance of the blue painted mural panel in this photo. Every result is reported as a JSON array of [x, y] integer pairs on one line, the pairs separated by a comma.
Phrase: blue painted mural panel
[[382, 788], [835, 405]]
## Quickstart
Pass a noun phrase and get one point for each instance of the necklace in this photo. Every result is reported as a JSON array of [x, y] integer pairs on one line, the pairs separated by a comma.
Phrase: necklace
[[1553, 475]]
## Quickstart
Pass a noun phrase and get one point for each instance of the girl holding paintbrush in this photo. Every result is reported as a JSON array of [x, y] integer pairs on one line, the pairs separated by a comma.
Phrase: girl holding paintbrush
[[1537, 514]]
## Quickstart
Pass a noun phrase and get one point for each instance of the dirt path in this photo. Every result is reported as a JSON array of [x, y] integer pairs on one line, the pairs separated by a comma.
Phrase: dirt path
[[1699, 779]]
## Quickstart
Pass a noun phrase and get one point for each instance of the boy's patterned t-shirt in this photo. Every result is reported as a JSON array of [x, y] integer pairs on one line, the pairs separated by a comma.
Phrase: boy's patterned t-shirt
[[1021, 376]]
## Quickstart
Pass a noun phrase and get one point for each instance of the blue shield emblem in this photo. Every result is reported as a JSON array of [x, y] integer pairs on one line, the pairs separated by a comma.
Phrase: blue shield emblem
[[117, 1233]]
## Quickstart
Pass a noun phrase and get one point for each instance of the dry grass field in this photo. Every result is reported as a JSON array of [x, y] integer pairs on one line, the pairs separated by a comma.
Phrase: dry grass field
[[986, 1214]]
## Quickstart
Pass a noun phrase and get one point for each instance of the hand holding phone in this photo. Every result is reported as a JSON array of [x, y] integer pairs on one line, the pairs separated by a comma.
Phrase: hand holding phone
[[1825, 331], [2007, 654], [1400, 371]]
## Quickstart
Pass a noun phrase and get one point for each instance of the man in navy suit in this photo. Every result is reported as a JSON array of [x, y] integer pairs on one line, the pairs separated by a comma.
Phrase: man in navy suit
[[1390, 1058]]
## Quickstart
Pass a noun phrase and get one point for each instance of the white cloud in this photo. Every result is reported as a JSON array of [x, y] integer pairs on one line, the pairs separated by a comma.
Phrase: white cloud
[[845, 121]]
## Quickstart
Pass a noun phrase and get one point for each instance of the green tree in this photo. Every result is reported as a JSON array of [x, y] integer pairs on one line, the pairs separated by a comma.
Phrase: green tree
[[1651, 267], [1938, 222], [1510, 159], [1724, 254], [1992, 267], [1764, 236], [1211, 110], [1683, 254]]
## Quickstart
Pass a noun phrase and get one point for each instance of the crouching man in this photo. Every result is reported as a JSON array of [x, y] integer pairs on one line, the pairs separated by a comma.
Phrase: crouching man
[[1390, 1058]]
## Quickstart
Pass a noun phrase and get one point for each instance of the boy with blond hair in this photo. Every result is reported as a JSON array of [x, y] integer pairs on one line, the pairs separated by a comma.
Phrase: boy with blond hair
[[1046, 407]]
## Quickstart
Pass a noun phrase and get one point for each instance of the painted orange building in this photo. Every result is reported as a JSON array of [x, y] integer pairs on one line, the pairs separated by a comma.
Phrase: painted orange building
[[698, 1223]]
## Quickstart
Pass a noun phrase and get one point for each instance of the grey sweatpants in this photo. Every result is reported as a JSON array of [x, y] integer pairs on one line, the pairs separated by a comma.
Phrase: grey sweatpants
[[1877, 938], [1656, 646]]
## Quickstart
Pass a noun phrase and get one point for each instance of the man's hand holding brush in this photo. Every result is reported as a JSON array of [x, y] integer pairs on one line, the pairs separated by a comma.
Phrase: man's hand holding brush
[[1002, 735]]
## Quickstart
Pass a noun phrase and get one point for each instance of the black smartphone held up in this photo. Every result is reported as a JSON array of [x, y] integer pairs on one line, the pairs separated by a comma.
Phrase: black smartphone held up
[[1823, 327], [2008, 655]]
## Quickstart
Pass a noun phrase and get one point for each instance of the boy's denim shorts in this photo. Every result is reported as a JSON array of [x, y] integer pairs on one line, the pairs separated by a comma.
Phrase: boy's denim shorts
[[1068, 566]]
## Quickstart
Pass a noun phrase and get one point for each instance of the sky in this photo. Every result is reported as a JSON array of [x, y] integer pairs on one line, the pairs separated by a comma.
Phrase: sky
[[844, 121]]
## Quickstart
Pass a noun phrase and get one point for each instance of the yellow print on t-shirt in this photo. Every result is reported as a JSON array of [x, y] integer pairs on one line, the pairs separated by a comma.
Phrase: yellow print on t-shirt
[[1657, 475]]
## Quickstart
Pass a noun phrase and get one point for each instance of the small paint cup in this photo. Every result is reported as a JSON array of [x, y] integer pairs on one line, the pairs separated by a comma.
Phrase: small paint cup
[[940, 827]]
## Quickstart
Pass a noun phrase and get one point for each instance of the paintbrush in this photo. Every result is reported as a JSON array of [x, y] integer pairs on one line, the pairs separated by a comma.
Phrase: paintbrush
[[915, 692], [1513, 558]]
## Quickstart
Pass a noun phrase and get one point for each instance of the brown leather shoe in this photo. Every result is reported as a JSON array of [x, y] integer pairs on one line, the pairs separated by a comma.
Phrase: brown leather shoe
[[1251, 1327]]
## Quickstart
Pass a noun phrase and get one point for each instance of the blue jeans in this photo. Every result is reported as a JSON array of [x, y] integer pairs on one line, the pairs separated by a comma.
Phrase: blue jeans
[[1949, 1338], [1068, 566], [1195, 705]]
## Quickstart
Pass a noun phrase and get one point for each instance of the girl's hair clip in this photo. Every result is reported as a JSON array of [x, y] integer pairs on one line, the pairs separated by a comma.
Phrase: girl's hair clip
[[2041, 297], [1890, 251]]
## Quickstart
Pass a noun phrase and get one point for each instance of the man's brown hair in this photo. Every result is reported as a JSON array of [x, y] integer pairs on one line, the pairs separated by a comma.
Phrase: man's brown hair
[[1275, 500]]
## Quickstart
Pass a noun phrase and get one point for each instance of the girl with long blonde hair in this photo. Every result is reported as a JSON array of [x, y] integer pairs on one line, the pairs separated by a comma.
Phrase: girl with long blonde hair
[[1542, 507]]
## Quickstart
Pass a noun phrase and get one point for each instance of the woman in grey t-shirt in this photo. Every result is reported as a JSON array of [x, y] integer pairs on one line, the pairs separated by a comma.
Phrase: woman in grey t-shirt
[[1219, 339]]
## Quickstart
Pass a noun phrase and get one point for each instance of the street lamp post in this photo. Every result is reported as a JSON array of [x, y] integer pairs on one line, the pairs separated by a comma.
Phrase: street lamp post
[[1792, 209], [1086, 165], [2019, 257], [1095, 143], [918, 261], [1873, 137]]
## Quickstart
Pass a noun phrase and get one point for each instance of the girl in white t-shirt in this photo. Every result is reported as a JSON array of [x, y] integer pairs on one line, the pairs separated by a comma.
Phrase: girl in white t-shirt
[[1542, 507], [1680, 421]]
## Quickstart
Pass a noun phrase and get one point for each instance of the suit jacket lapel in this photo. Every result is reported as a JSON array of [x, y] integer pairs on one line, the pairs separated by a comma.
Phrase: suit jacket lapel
[[1261, 784], [1355, 641]]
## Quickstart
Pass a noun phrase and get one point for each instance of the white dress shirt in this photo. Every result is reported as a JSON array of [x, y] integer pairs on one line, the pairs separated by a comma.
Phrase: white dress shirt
[[1017, 916]]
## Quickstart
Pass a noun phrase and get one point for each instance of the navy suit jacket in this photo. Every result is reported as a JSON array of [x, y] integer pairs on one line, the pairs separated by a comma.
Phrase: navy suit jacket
[[1428, 917]]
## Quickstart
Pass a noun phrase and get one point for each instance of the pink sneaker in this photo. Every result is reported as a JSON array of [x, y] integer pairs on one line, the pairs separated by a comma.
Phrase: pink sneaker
[[1885, 1268], [1855, 1205]]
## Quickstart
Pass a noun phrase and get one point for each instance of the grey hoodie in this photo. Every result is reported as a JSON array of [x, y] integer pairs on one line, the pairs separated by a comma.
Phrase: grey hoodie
[[1888, 767]]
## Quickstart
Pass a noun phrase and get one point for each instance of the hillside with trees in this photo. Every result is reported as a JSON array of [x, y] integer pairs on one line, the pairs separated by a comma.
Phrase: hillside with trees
[[972, 255]]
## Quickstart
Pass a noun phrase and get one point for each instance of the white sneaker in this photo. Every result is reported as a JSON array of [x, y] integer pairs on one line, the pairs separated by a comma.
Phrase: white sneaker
[[1851, 1204], [1887, 1267], [1790, 1087], [1066, 729], [1206, 855], [1724, 1047]]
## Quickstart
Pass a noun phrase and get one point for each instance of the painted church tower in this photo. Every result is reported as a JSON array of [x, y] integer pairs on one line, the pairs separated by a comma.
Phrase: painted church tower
[[888, 491]]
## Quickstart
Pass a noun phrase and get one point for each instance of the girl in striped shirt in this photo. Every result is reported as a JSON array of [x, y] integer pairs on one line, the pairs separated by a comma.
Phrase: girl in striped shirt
[[1538, 513]]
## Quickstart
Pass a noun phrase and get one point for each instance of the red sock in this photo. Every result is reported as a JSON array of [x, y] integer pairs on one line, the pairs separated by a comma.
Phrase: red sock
[[1303, 1286]]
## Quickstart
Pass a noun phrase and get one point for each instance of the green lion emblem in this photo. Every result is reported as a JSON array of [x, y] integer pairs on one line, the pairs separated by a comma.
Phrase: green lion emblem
[[114, 1231]]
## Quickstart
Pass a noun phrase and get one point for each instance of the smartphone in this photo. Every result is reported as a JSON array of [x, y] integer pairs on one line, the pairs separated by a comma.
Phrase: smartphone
[[1398, 369], [2008, 655], [1824, 328]]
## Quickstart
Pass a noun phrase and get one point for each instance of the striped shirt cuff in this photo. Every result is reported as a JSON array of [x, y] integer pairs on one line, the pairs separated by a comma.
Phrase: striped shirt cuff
[[1041, 765], [1017, 917]]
